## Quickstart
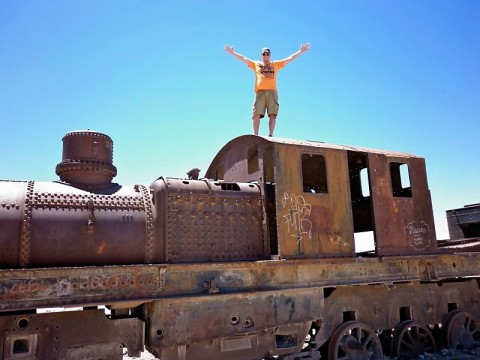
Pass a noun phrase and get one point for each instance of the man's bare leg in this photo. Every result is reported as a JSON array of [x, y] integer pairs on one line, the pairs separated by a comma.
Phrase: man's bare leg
[[272, 120], [256, 123]]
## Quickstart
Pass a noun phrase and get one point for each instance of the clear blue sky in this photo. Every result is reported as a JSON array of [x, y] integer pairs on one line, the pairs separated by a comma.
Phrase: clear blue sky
[[153, 75]]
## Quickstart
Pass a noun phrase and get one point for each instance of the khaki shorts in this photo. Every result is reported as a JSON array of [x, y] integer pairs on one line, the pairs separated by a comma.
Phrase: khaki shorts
[[266, 100]]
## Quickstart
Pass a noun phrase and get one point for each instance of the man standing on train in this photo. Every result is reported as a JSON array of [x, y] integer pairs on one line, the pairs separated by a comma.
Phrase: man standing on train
[[266, 95]]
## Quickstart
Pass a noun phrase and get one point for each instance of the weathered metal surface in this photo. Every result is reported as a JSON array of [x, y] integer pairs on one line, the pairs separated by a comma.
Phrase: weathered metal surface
[[226, 315], [280, 340], [211, 221], [193, 220], [26, 232], [461, 330], [64, 226], [354, 340], [234, 315], [74, 335], [87, 160], [149, 224], [320, 221], [31, 288], [381, 306], [385, 306], [322, 272], [37, 288], [464, 222], [469, 244], [229, 165], [403, 223], [226, 155], [313, 224]]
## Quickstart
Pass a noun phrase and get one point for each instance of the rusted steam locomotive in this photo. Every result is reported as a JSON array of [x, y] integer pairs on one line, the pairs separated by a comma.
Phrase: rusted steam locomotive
[[262, 258]]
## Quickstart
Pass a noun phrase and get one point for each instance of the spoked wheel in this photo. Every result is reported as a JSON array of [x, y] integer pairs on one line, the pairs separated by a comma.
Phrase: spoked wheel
[[354, 340], [460, 330], [410, 339]]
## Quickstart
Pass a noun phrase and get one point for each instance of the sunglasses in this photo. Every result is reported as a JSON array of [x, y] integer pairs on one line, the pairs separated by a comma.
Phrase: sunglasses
[[266, 54]]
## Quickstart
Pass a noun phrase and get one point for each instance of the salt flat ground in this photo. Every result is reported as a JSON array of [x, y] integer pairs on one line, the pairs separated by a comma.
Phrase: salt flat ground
[[145, 356]]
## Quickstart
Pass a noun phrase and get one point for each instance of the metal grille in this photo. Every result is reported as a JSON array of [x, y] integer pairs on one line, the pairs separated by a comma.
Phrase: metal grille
[[203, 227]]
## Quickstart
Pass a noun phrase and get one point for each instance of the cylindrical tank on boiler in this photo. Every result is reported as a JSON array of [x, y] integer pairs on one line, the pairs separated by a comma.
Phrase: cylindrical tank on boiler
[[87, 160]]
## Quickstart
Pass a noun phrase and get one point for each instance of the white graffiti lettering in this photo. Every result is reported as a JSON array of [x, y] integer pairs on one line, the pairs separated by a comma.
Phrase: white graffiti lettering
[[418, 235], [297, 217]]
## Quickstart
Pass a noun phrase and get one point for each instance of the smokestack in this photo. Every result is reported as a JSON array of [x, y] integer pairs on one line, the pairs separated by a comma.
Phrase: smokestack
[[87, 161]]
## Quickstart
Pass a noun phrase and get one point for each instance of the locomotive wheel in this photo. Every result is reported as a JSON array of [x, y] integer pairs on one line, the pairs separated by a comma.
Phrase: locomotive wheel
[[410, 339], [354, 340], [460, 330]]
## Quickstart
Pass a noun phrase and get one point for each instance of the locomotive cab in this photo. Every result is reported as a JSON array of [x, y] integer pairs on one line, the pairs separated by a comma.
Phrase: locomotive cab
[[319, 198]]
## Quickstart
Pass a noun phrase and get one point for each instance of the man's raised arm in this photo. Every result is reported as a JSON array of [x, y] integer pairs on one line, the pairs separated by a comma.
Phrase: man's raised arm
[[229, 49], [303, 48]]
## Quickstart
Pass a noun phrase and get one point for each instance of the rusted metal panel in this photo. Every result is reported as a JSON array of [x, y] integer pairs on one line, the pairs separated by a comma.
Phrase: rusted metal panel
[[12, 204], [33, 288], [284, 341], [232, 157], [64, 226], [224, 316], [232, 162], [464, 222], [313, 224], [87, 160], [403, 224], [37, 288], [213, 221], [73, 335]]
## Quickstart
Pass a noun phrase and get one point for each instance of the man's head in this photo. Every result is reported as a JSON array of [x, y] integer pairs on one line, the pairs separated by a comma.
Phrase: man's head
[[265, 54]]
